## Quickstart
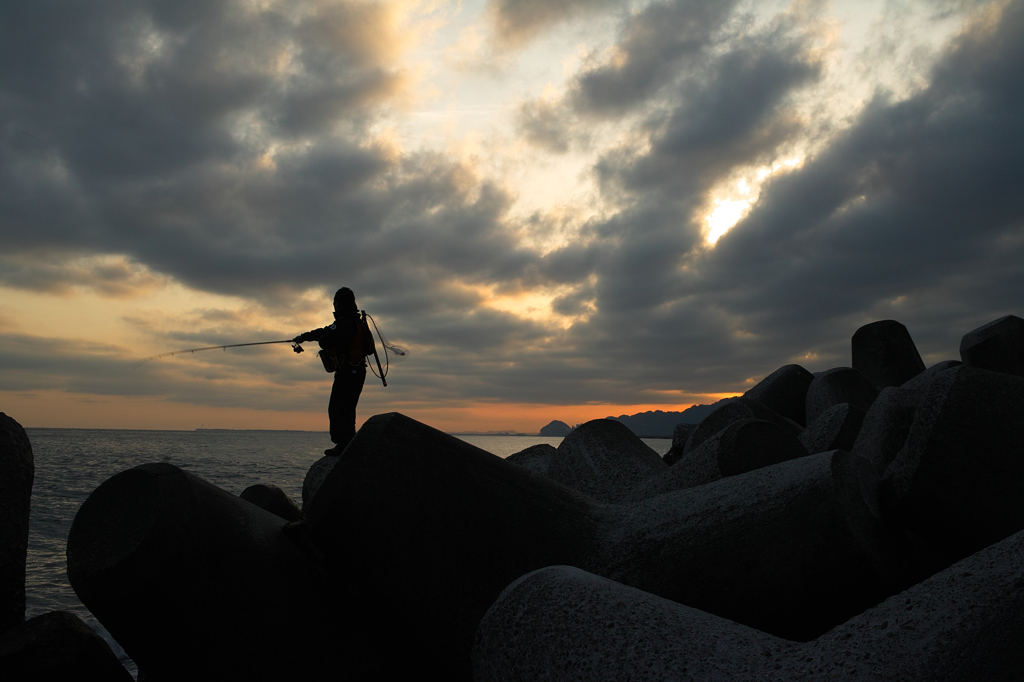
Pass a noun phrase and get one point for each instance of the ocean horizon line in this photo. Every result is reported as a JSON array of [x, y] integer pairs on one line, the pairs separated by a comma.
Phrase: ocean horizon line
[[509, 433]]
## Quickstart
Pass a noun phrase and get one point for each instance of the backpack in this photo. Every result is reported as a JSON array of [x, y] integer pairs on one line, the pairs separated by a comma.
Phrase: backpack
[[362, 345], [362, 342]]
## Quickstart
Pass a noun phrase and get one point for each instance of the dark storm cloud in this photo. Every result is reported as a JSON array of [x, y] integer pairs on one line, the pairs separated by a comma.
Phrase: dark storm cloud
[[664, 39], [516, 21], [576, 303], [729, 114], [915, 213], [915, 193], [227, 147], [35, 363], [108, 277], [340, 58], [732, 111], [663, 44]]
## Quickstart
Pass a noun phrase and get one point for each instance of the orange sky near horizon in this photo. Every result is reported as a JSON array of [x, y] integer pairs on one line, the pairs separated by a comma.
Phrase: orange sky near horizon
[[60, 409]]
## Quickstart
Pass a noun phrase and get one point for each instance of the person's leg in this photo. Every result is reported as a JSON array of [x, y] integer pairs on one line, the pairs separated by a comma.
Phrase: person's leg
[[348, 384]]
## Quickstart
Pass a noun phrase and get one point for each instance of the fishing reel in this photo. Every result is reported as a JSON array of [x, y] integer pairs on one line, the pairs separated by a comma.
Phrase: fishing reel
[[296, 347]]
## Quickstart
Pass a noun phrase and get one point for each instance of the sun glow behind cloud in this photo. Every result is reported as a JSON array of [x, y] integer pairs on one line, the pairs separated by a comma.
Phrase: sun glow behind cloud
[[730, 209], [536, 305], [726, 214]]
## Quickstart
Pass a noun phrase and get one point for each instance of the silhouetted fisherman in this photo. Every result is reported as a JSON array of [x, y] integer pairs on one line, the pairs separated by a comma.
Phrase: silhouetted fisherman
[[344, 347]]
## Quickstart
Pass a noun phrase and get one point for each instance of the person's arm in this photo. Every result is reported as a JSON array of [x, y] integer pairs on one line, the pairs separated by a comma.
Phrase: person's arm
[[338, 335], [311, 335]]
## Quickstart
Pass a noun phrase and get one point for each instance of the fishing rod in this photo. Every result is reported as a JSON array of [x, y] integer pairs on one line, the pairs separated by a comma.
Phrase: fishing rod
[[390, 349], [295, 347]]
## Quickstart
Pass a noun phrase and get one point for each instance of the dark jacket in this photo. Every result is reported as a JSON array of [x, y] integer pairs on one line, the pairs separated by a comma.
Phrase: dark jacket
[[337, 337]]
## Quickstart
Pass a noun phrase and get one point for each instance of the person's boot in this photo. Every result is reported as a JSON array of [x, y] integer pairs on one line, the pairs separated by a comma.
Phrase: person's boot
[[338, 447]]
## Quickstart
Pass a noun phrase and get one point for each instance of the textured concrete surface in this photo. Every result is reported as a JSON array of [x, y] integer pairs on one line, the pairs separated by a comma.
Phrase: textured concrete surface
[[196, 583], [561, 623], [997, 346], [921, 381], [734, 411], [791, 549], [784, 391], [272, 499], [605, 460], [58, 646], [17, 471], [435, 528], [680, 434], [537, 458], [315, 477], [885, 353], [740, 447], [956, 483], [835, 429], [836, 386], [886, 426]]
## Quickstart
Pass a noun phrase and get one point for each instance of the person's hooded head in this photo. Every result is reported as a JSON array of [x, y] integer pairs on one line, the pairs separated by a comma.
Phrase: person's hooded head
[[345, 302]]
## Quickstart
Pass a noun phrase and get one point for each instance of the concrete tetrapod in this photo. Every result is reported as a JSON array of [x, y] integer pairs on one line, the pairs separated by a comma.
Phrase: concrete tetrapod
[[315, 475], [921, 381], [537, 458], [272, 499], [740, 447], [605, 460], [956, 483], [680, 434], [792, 549], [996, 346], [196, 583], [561, 623], [884, 353], [58, 646], [733, 411], [434, 528], [783, 391], [17, 471], [886, 425], [835, 429], [836, 386]]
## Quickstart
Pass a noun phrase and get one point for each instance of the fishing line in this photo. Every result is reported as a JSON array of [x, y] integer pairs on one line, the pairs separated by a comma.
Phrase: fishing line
[[399, 353], [296, 347]]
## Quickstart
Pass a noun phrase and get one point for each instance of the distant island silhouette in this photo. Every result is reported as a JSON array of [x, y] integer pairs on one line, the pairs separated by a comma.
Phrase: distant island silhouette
[[658, 424], [651, 424]]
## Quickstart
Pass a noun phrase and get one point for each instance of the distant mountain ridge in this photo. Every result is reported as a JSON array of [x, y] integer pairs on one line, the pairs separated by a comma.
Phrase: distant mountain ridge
[[660, 424], [556, 428]]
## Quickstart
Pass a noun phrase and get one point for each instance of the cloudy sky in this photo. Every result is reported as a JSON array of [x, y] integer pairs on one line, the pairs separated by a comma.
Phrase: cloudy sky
[[564, 209]]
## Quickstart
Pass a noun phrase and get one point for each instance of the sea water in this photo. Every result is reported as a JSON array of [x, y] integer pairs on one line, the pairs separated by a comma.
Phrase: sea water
[[71, 463]]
